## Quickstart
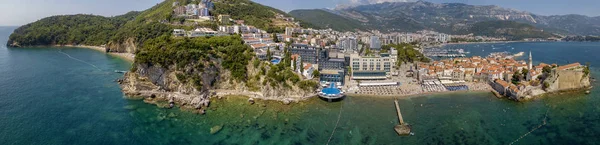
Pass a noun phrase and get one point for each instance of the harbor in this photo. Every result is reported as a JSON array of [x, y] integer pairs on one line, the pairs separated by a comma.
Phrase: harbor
[[444, 53]]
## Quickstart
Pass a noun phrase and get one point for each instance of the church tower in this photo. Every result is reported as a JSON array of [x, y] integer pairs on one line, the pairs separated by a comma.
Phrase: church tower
[[530, 61]]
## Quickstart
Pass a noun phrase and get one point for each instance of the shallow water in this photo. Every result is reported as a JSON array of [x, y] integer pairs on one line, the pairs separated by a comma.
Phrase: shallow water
[[47, 97]]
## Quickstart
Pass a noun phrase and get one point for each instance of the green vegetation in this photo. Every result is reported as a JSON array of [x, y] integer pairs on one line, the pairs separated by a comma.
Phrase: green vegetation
[[252, 13], [324, 19], [280, 74], [96, 30], [586, 69], [308, 85], [406, 53], [316, 74], [525, 71], [547, 69], [508, 29], [74, 29], [198, 53], [516, 78]]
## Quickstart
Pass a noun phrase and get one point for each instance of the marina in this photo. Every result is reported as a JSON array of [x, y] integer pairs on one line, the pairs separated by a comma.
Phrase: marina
[[445, 53]]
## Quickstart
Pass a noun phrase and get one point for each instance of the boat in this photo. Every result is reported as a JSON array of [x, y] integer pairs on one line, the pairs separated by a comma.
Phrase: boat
[[519, 54], [120, 71]]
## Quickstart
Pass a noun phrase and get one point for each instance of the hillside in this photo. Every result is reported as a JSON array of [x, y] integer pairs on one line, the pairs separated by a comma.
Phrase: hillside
[[128, 32], [324, 19], [507, 29], [74, 29], [456, 18]]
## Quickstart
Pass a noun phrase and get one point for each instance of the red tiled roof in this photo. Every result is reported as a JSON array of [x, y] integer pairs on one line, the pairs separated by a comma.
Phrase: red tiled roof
[[502, 83], [568, 66]]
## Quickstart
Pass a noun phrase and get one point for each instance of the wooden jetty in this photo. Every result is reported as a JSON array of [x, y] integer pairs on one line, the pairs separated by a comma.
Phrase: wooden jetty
[[402, 128]]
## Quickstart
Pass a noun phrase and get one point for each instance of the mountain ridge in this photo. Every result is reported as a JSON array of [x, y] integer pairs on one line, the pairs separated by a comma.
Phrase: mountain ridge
[[453, 17]]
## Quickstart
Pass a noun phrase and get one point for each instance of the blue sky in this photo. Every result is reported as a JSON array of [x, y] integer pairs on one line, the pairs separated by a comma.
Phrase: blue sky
[[20, 12]]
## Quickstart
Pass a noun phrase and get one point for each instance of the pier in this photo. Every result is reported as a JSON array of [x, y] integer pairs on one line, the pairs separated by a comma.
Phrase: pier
[[402, 128]]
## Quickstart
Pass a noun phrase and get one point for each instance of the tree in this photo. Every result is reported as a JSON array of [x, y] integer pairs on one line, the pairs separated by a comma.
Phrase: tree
[[275, 38], [516, 78], [301, 67], [269, 54], [316, 74], [586, 69], [525, 72], [295, 65], [546, 69]]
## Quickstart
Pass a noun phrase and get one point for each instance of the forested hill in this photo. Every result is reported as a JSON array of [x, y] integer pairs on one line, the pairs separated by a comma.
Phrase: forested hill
[[323, 19], [73, 29], [508, 29], [126, 33]]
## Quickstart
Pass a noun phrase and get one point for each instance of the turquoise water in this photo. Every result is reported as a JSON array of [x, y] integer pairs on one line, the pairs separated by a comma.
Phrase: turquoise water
[[47, 97]]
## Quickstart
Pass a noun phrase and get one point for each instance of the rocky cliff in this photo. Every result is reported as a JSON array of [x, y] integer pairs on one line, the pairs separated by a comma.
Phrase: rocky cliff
[[128, 46], [558, 81], [161, 86]]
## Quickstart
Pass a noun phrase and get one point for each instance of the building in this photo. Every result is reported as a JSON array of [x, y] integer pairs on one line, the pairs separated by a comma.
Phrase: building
[[224, 19], [458, 75], [178, 32], [370, 67], [530, 62], [180, 11], [289, 31], [375, 43], [203, 12], [307, 52], [500, 86], [333, 76], [348, 44], [332, 63], [308, 70]]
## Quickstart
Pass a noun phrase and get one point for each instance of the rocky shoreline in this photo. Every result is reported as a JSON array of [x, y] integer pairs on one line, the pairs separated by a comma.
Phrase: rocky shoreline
[[136, 86]]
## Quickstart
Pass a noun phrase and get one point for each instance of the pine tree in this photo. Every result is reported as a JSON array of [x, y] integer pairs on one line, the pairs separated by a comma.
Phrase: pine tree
[[295, 65], [269, 54]]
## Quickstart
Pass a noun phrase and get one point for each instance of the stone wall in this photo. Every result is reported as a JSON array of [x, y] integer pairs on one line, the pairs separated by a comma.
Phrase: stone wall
[[570, 79]]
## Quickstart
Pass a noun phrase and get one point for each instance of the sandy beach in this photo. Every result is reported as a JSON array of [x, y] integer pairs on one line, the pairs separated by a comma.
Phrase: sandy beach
[[412, 90], [126, 56]]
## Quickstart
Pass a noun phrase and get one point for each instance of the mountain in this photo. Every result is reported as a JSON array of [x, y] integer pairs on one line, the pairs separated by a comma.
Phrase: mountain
[[455, 18], [324, 19], [507, 29]]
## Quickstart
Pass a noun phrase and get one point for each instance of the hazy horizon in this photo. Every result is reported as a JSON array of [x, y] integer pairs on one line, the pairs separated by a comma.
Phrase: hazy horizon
[[28, 11]]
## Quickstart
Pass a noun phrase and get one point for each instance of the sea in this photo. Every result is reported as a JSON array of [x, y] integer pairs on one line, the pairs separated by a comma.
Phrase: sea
[[61, 95]]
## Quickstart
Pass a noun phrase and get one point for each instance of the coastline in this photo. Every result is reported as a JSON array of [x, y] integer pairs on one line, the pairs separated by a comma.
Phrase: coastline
[[415, 95], [488, 42], [126, 56]]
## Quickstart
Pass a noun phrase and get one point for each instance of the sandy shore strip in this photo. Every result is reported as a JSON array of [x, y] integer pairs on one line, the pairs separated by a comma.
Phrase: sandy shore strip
[[408, 91], [406, 96], [126, 56]]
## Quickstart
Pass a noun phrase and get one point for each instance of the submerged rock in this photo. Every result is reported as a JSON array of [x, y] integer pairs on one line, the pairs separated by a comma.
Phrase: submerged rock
[[251, 101], [286, 102], [216, 129]]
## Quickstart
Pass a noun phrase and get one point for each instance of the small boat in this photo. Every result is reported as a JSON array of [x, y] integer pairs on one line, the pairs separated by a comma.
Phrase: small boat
[[120, 71]]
